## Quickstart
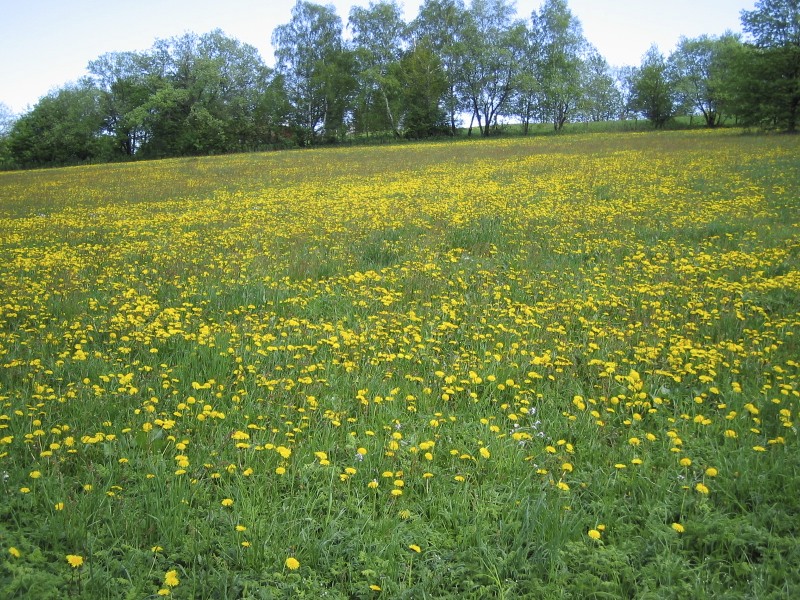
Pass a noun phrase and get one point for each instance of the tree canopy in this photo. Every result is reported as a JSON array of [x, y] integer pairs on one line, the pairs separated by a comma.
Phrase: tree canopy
[[375, 74]]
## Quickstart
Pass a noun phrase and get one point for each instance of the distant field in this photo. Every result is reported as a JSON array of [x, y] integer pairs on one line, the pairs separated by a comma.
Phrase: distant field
[[561, 367]]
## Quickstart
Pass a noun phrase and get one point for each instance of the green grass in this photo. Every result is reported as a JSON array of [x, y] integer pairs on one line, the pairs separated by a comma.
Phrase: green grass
[[507, 368]]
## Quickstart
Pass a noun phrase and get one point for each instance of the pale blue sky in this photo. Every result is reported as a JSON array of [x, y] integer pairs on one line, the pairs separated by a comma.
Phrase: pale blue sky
[[47, 43]]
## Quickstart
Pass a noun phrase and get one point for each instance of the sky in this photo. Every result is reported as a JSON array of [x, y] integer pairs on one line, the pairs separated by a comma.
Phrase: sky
[[45, 44]]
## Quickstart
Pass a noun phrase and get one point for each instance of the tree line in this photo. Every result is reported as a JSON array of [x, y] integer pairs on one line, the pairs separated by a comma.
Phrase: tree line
[[454, 66]]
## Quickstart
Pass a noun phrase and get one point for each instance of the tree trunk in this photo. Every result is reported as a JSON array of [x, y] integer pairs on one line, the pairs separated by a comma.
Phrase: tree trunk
[[389, 114]]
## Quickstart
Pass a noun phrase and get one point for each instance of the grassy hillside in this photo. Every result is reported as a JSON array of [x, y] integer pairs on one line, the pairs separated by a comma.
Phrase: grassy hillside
[[531, 367]]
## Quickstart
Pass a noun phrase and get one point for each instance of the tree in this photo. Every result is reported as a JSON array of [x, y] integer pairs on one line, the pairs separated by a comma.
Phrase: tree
[[562, 45], [768, 83], [624, 79], [424, 83], [309, 57], [7, 120], [65, 127], [378, 33], [701, 70], [600, 99], [494, 47], [126, 80], [527, 100], [652, 93], [187, 95], [442, 23]]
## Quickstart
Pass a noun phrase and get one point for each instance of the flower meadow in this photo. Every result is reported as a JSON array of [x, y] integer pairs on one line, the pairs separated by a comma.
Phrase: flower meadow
[[560, 367]]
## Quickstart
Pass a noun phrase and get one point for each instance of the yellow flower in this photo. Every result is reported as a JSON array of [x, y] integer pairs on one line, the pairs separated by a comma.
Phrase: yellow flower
[[171, 578], [74, 560], [59, 506], [711, 472], [280, 471], [415, 548], [701, 488], [594, 534], [485, 452], [686, 462], [227, 502], [14, 552], [292, 563], [375, 588], [678, 527], [562, 486], [35, 474]]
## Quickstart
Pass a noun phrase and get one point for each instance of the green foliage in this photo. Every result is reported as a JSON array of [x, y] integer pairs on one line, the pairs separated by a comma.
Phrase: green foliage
[[424, 84], [769, 74], [64, 128], [311, 58], [561, 46], [652, 92], [703, 72]]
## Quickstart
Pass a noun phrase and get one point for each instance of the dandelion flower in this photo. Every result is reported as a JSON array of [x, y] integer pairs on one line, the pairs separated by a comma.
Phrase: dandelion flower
[[171, 578], [74, 560], [485, 452], [678, 527], [686, 462], [415, 548], [701, 488], [292, 563], [14, 552], [227, 502], [594, 534]]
